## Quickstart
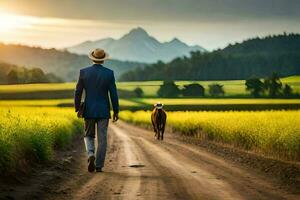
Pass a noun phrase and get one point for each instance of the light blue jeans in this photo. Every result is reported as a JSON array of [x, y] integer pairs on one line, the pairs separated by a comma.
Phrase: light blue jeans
[[92, 126]]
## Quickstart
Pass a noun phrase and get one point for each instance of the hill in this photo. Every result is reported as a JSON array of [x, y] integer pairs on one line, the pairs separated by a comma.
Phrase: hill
[[254, 57], [138, 45], [62, 63], [268, 45]]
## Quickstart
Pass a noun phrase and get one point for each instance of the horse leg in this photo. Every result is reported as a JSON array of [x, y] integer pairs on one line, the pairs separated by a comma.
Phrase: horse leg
[[159, 130], [158, 134]]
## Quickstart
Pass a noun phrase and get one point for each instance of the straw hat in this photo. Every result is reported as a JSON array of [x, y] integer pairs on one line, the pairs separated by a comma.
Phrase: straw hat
[[98, 55]]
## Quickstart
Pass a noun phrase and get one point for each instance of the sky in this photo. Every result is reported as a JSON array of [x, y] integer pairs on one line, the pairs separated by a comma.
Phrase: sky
[[209, 23]]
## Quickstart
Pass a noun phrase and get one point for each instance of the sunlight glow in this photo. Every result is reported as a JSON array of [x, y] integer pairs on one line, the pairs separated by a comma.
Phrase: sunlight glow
[[52, 32], [10, 22]]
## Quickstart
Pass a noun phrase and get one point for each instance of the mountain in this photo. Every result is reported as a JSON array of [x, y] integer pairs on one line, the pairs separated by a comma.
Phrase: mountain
[[254, 57], [138, 45], [63, 64]]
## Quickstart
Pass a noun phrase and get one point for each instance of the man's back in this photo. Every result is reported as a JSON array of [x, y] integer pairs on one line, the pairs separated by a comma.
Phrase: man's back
[[98, 83]]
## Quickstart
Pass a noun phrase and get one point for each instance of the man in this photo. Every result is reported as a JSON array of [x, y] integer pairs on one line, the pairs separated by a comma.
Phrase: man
[[98, 83]]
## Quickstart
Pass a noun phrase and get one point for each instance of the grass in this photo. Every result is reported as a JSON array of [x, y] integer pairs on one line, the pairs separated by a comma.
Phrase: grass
[[30, 134], [275, 133], [65, 90]]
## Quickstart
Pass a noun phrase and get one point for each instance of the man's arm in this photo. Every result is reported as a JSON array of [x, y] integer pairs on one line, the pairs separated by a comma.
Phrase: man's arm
[[114, 96], [78, 92]]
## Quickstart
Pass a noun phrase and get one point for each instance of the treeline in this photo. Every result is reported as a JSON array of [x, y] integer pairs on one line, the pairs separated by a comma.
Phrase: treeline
[[170, 89], [12, 74], [270, 86], [255, 57]]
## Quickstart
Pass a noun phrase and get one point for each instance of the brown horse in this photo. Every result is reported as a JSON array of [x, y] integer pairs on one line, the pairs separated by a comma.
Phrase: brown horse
[[159, 118]]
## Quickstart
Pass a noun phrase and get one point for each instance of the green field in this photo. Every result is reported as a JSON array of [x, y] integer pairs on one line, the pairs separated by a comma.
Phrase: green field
[[65, 90], [36, 87], [275, 133], [53, 103], [61, 94]]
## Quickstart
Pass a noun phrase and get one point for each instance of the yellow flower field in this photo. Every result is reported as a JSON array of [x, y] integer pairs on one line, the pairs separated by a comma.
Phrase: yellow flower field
[[30, 134], [274, 133]]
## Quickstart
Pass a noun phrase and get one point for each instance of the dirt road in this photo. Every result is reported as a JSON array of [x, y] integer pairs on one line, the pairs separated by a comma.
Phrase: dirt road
[[139, 167]]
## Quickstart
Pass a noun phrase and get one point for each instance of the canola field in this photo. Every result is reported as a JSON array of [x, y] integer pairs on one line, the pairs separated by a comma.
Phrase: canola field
[[29, 134], [275, 133]]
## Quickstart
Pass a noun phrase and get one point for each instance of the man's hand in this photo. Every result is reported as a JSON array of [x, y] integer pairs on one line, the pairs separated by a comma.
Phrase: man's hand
[[115, 117]]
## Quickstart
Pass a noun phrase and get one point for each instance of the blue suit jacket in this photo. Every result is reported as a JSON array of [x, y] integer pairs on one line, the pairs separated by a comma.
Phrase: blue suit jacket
[[98, 83]]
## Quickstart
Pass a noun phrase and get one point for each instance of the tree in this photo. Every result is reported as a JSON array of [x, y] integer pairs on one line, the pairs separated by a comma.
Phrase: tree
[[138, 91], [12, 77], [193, 89], [255, 86], [22, 73], [168, 89], [287, 91], [216, 90], [36, 75], [52, 78], [273, 85]]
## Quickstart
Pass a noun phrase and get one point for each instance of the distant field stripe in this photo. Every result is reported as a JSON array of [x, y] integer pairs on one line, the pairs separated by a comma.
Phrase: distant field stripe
[[57, 102], [206, 101], [40, 102], [37, 87]]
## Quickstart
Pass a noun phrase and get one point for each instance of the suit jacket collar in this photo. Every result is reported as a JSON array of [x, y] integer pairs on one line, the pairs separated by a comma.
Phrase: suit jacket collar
[[98, 65]]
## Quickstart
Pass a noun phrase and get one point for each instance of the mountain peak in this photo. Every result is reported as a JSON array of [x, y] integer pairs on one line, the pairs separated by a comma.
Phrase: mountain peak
[[175, 40], [138, 32]]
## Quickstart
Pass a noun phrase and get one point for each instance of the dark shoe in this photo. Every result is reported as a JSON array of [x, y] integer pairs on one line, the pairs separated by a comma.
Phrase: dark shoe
[[91, 166], [99, 170]]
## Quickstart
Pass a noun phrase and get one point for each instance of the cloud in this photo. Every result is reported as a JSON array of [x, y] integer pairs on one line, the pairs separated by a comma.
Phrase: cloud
[[164, 10]]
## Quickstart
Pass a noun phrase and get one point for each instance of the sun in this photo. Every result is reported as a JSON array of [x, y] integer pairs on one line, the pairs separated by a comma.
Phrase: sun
[[10, 22]]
